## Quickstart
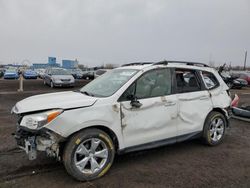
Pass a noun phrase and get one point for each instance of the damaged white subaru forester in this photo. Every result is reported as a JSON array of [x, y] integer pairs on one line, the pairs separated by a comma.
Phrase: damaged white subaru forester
[[137, 106]]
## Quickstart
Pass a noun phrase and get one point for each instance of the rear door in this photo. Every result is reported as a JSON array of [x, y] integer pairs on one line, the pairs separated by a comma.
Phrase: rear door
[[154, 118], [194, 102]]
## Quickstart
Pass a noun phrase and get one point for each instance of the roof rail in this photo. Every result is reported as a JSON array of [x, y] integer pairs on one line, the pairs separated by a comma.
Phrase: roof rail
[[181, 62], [137, 63]]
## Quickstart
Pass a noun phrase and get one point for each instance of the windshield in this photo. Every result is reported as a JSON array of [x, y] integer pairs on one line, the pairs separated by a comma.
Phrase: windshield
[[59, 72], [107, 84], [10, 71]]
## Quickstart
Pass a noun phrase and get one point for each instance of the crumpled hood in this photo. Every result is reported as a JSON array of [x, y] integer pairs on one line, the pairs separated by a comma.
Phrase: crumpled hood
[[62, 100]]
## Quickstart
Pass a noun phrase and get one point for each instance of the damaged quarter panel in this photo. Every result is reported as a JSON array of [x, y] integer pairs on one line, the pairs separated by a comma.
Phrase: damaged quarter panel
[[219, 95]]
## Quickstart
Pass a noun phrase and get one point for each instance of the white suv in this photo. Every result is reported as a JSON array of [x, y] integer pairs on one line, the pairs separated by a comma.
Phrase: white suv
[[137, 106]]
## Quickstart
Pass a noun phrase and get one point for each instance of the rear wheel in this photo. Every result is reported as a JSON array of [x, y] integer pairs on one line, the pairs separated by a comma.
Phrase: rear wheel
[[214, 128], [89, 154]]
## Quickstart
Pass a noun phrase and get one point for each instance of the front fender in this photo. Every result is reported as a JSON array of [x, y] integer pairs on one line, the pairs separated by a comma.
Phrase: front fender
[[72, 121]]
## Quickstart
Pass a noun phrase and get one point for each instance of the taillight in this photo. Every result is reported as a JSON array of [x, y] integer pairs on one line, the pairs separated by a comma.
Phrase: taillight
[[235, 101]]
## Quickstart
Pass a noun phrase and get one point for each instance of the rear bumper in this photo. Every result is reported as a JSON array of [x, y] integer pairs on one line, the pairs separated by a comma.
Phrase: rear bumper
[[228, 114]]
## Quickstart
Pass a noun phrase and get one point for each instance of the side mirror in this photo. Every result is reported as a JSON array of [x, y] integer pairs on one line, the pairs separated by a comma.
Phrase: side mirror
[[131, 97], [134, 102]]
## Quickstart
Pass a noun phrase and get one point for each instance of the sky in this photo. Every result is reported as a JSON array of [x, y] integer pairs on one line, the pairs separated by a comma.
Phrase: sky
[[97, 32]]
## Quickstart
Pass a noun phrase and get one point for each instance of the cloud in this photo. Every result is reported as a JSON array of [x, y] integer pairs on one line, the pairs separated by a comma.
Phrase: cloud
[[111, 31]]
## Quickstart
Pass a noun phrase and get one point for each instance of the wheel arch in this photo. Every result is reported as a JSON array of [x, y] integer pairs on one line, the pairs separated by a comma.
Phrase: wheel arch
[[223, 112], [105, 129]]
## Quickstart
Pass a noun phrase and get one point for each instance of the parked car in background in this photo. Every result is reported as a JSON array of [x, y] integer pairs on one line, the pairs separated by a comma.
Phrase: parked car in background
[[30, 74], [243, 75], [100, 72], [239, 83], [58, 77], [134, 107], [1, 73], [88, 75], [40, 73], [233, 81], [76, 73], [11, 74]]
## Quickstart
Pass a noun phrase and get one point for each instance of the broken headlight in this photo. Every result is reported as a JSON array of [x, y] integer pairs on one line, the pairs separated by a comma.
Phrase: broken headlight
[[35, 121]]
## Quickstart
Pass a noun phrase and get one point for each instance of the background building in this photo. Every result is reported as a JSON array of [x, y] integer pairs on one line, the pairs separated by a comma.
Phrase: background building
[[51, 63], [52, 60], [70, 64]]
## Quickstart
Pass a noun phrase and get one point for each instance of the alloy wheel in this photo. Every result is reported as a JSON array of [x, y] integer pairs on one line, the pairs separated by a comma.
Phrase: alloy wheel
[[216, 130], [91, 156]]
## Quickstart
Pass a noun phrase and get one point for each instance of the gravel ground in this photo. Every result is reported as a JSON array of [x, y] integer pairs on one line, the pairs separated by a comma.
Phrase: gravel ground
[[187, 164]]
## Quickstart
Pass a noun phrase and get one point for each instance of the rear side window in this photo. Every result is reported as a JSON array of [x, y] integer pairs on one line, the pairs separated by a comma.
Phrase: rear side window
[[210, 80], [186, 81]]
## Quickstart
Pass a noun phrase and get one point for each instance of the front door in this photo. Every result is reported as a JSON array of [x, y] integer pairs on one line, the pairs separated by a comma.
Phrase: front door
[[149, 110]]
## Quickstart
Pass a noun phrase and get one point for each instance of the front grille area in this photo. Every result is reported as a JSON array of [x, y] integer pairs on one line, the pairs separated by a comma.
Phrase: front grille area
[[65, 80]]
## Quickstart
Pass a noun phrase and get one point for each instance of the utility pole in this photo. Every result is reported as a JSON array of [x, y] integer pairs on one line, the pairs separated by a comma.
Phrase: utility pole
[[245, 62]]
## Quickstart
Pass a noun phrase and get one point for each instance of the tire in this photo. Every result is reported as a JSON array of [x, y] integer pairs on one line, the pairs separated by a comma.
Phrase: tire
[[79, 148], [51, 84], [214, 128]]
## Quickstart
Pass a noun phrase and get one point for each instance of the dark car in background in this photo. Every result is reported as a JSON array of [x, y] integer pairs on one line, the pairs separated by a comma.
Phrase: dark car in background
[[30, 74], [100, 72], [242, 75], [76, 73], [233, 81], [58, 77], [88, 75], [1, 73]]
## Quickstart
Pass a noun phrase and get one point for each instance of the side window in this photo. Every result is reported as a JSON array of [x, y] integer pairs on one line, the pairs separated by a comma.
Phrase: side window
[[186, 81], [154, 83], [209, 80]]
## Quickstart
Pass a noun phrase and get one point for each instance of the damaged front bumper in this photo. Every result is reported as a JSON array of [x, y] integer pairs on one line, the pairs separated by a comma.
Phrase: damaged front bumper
[[42, 140]]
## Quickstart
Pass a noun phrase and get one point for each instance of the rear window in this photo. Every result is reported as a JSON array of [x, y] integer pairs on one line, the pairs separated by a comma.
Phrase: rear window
[[210, 80]]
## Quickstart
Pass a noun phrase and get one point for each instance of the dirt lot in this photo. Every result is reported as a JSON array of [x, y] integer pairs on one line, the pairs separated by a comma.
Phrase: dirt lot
[[188, 164]]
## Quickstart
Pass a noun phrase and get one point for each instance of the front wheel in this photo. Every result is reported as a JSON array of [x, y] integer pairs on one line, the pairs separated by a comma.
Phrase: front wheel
[[214, 128], [89, 154]]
